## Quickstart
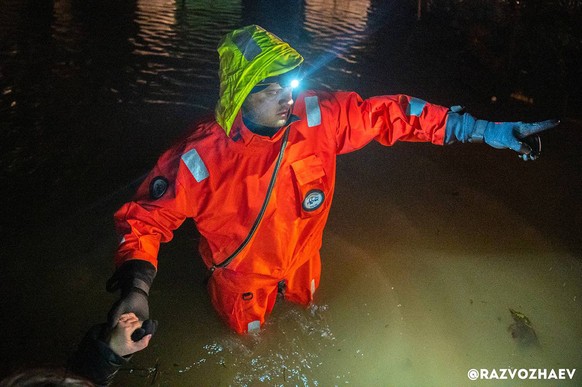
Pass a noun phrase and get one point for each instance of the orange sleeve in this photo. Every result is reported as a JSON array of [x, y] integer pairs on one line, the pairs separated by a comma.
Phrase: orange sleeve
[[159, 207], [386, 119]]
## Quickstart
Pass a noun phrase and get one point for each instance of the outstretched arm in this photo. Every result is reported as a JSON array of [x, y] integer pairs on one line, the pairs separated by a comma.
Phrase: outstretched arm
[[387, 119]]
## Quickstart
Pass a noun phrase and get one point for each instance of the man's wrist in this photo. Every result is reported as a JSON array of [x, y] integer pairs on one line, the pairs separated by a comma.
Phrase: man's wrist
[[478, 133], [139, 286]]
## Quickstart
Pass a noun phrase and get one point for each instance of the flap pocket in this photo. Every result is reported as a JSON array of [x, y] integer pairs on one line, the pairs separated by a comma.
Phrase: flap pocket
[[308, 170], [312, 186]]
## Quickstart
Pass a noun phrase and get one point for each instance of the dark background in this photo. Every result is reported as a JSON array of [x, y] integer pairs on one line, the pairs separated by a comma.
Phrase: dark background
[[93, 91]]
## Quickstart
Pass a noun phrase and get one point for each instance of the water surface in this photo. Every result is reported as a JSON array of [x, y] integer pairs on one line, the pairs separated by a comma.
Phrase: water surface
[[426, 249]]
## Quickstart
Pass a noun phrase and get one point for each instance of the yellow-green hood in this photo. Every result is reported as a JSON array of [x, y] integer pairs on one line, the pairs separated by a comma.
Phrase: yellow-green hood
[[247, 56]]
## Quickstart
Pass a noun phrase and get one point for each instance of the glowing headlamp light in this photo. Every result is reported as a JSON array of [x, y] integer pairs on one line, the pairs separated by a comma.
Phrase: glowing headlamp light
[[290, 79]]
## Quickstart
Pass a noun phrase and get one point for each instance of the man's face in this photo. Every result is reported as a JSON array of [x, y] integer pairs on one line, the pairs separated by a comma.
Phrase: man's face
[[269, 107]]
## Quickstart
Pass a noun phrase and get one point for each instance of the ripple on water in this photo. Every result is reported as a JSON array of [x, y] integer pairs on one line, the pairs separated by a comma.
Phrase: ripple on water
[[290, 349]]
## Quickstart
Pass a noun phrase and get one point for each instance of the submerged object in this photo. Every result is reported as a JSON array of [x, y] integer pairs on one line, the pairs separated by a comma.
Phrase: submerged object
[[522, 330]]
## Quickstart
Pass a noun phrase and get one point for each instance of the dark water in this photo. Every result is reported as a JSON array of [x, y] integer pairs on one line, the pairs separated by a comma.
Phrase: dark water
[[92, 92]]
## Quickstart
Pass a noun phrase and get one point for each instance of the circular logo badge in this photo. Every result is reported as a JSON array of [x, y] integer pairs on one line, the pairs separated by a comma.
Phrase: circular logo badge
[[158, 187], [313, 200]]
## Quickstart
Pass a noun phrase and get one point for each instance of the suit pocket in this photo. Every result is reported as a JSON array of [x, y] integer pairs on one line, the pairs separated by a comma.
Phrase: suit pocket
[[312, 185]]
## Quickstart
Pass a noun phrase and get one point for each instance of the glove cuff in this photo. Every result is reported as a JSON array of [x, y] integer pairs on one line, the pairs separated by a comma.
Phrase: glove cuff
[[464, 127], [477, 135], [139, 286], [134, 274], [460, 126]]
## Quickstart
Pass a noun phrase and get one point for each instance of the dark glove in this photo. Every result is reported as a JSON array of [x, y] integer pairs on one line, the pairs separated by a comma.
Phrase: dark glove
[[147, 327], [134, 278], [518, 136]]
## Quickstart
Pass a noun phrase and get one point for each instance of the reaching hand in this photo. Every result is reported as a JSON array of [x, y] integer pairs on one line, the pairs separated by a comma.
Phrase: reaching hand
[[121, 341], [134, 301]]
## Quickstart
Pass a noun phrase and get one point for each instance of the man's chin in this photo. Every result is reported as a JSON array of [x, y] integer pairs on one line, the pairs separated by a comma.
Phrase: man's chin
[[275, 124], [282, 121]]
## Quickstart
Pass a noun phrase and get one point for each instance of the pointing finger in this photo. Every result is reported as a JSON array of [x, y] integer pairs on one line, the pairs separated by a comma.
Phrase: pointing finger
[[527, 129]]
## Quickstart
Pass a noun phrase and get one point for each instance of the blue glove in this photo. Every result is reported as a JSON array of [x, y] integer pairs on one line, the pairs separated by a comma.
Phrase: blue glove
[[518, 136]]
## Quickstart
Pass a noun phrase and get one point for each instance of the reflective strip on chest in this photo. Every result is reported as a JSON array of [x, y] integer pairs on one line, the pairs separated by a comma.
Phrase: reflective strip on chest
[[312, 110], [195, 165], [415, 107]]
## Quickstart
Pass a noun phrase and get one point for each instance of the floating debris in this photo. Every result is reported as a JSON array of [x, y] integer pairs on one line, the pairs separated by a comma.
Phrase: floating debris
[[522, 330], [156, 372]]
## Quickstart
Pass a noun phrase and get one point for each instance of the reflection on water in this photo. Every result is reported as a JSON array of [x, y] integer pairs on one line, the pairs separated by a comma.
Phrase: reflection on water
[[296, 356], [416, 288], [176, 45], [337, 28]]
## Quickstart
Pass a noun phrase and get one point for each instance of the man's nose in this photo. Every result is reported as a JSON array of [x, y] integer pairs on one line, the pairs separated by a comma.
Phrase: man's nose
[[287, 97]]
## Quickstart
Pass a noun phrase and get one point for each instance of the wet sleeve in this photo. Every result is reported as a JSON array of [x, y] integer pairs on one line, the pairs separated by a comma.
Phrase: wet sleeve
[[94, 360], [160, 206], [386, 119]]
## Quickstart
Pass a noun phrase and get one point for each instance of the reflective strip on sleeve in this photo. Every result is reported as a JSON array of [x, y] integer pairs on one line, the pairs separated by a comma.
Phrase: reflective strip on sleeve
[[246, 45], [195, 165], [313, 111], [415, 107]]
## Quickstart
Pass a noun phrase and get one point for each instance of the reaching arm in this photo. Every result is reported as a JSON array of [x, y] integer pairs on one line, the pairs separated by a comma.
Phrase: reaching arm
[[392, 118], [159, 207], [103, 351], [386, 119]]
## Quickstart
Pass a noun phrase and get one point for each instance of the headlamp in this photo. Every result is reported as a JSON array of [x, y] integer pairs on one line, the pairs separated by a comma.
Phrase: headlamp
[[290, 79]]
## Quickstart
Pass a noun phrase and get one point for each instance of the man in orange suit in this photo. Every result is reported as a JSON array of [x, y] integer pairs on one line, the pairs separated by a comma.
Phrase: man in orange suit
[[259, 178]]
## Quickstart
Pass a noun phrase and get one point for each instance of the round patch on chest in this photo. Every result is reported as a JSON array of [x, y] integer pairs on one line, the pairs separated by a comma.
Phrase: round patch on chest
[[158, 187], [313, 200]]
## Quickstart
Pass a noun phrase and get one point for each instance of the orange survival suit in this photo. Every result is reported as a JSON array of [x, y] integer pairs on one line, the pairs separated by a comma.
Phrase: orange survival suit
[[221, 181]]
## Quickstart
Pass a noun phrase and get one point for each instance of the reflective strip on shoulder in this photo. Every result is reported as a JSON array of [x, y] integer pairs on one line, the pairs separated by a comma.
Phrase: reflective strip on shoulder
[[415, 107], [195, 165], [246, 45], [312, 110]]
